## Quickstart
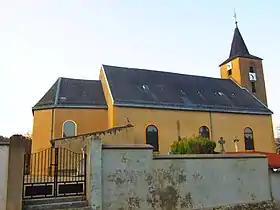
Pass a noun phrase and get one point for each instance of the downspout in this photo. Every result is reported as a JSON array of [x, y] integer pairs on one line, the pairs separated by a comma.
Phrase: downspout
[[211, 126], [52, 124]]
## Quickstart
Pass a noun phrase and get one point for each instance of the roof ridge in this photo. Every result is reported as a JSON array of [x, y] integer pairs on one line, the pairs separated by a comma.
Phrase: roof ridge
[[160, 71], [96, 80]]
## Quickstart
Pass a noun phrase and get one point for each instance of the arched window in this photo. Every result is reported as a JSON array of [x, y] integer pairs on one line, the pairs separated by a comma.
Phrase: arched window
[[249, 139], [69, 128], [204, 132], [152, 137]]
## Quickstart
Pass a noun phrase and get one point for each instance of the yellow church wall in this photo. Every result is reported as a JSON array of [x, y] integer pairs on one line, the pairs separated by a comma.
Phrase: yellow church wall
[[223, 125], [87, 120], [41, 134], [108, 97], [229, 126], [236, 76], [240, 74], [245, 64], [166, 122]]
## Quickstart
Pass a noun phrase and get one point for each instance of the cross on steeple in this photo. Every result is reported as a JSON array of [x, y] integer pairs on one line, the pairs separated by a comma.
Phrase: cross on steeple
[[234, 15]]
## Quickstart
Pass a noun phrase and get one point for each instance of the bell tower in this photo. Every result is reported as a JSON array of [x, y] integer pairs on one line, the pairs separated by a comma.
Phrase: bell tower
[[244, 68]]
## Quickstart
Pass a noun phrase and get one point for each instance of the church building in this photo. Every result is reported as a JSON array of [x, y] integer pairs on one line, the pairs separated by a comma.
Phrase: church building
[[163, 106]]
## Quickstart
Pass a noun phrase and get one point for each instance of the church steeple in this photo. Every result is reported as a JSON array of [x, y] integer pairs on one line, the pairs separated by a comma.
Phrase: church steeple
[[244, 68], [238, 48]]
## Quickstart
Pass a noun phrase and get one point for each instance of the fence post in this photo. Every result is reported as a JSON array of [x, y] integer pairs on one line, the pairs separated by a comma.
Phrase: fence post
[[94, 173], [16, 172]]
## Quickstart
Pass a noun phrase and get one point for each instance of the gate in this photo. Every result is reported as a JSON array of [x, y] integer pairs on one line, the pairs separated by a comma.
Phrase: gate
[[54, 172]]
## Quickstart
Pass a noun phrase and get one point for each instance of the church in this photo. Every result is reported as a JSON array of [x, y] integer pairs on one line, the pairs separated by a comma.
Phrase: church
[[163, 106]]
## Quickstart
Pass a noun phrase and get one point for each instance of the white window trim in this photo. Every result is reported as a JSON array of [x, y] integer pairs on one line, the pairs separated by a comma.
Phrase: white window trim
[[76, 127]]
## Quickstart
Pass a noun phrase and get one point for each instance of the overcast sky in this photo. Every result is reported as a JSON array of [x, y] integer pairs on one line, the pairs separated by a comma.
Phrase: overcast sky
[[41, 40]]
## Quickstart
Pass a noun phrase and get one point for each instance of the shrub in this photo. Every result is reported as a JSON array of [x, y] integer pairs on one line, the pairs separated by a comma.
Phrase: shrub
[[193, 145], [3, 138]]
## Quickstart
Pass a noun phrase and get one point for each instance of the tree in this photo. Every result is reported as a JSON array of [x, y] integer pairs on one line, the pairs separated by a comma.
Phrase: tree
[[193, 145], [3, 138]]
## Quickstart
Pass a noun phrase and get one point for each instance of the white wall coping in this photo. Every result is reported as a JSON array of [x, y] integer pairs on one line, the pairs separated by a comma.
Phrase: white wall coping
[[127, 146], [5, 143], [209, 156]]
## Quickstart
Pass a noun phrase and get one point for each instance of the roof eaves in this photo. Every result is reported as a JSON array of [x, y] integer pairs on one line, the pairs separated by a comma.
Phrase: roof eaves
[[240, 56], [69, 106], [251, 95], [203, 109]]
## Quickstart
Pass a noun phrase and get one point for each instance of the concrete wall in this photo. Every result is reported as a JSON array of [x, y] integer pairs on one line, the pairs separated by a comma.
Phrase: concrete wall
[[275, 185], [4, 161], [131, 177], [205, 181], [126, 177]]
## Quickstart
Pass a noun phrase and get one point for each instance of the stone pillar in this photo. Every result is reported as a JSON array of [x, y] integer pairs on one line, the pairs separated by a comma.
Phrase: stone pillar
[[15, 172], [94, 173], [4, 164]]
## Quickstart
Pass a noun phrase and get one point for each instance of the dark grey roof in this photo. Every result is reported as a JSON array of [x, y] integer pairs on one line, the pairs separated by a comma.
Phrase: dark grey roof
[[239, 48], [67, 92], [139, 87]]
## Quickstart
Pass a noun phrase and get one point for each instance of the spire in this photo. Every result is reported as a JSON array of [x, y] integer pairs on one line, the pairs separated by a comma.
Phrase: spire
[[238, 46]]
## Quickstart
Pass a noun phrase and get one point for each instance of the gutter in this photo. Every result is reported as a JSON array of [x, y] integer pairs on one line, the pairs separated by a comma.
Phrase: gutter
[[202, 109], [68, 106], [211, 126]]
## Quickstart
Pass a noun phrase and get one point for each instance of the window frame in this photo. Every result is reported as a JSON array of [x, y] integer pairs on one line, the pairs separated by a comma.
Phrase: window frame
[[63, 124], [208, 131], [251, 132], [146, 137]]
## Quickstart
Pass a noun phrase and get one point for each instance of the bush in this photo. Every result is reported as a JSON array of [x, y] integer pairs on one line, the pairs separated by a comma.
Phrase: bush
[[193, 145]]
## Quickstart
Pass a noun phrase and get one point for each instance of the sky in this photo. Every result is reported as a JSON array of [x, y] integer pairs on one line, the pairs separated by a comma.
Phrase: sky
[[43, 40]]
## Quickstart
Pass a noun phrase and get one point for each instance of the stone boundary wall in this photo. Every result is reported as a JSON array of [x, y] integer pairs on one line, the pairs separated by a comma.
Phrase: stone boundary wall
[[131, 177]]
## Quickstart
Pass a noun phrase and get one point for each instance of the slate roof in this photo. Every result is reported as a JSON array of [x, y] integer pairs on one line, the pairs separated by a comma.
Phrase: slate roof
[[149, 88], [239, 48], [67, 92]]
